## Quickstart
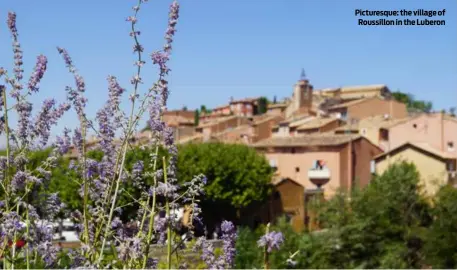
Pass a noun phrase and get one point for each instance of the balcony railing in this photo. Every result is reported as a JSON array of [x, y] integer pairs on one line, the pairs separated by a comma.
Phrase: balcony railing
[[319, 177]]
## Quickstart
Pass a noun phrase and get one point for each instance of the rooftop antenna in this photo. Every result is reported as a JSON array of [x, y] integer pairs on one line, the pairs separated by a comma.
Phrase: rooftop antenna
[[302, 75]]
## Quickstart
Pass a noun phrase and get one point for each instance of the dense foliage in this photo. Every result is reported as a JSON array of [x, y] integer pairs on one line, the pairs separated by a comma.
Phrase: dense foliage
[[237, 176], [126, 199], [411, 103], [389, 224], [262, 105]]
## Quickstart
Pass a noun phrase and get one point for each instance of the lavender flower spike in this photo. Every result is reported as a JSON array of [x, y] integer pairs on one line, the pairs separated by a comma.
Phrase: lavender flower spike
[[12, 23], [272, 240], [38, 73], [229, 239]]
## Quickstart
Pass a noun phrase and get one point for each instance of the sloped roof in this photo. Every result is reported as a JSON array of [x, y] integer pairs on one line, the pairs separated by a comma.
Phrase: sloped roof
[[309, 140], [244, 100], [351, 103], [217, 121], [421, 146], [259, 121], [367, 88], [278, 180], [317, 123], [371, 87]]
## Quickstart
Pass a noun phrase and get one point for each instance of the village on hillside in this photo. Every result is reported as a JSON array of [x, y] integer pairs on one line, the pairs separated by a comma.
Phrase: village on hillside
[[325, 140]]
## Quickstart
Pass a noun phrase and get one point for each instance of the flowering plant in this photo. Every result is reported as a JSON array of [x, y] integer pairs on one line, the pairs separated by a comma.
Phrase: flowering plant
[[28, 210]]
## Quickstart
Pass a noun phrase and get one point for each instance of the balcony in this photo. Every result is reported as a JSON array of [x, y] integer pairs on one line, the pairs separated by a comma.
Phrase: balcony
[[319, 177]]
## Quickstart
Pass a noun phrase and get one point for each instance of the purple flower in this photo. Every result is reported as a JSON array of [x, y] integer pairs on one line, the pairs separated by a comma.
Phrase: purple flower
[[12, 23], [208, 255], [21, 179], [228, 246], [160, 226], [11, 224], [78, 140], [38, 73], [172, 21], [271, 240], [166, 189], [75, 96], [115, 93], [131, 19], [63, 143], [151, 263], [24, 110], [48, 117], [66, 57]]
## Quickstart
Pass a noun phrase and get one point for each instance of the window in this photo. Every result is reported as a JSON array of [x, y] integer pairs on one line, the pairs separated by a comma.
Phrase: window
[[273, 163], [372, 166], [297, 169], [450, 166], [344, 115], [384, 134], [292, 150], [450, 146], [414, 125]]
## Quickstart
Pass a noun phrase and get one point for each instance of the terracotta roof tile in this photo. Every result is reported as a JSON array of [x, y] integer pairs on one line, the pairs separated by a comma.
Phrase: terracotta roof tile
[[317, 123], [244, 100], [217, 121], [363, 87], [351, 103]]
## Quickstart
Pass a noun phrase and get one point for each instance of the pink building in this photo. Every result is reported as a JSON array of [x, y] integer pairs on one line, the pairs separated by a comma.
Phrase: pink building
[[436, 129], [347, 159], [244, 107]]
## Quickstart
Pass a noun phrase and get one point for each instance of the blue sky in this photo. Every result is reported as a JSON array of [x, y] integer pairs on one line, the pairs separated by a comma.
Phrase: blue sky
[[238, 48]]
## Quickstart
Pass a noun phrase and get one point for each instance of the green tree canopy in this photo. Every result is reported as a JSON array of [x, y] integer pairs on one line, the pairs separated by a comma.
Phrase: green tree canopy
[[383, 225], [237, 176], [262, 104], [411, 103], [196, 117], [441, 244], [236, 173]]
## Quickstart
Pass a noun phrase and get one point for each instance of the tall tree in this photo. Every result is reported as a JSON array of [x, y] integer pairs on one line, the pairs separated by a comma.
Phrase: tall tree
[[237, 177], [196, 117], [262, 104]]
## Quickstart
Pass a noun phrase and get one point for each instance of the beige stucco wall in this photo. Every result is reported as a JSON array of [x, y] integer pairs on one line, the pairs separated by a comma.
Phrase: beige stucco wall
[[376, 106], [432, 171]]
